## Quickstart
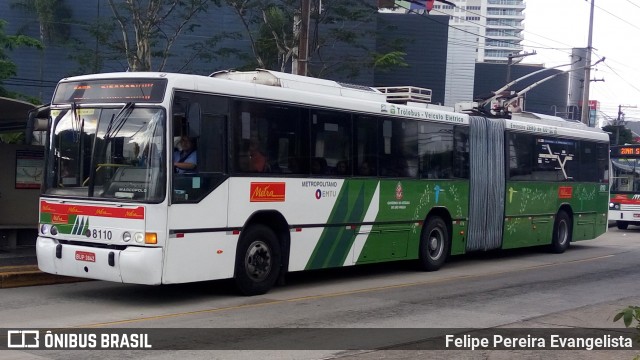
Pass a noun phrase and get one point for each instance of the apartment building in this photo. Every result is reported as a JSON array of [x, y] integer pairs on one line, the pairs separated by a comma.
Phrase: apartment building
[[498, 24]]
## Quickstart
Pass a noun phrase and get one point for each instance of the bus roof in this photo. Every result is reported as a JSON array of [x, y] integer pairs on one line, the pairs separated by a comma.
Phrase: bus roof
[[324, 93]]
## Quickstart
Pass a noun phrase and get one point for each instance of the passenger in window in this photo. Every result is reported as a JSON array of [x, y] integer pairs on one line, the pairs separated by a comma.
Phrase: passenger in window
[[293, 166], [258, 161], [318, 166], [365, 169], [185, 160], [342, 169]]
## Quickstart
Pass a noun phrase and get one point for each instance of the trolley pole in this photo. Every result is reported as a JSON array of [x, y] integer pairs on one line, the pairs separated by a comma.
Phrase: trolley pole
[[510, 58]]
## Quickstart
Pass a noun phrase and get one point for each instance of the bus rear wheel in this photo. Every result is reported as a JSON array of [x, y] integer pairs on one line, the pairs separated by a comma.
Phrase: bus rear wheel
[[561, 233], [257, 260], [622, 225], [434, 244]]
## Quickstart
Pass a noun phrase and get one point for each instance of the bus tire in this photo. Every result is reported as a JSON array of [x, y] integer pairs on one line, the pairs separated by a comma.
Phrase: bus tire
[[562, 230], [622, 225], [434, 244], [258, 260]]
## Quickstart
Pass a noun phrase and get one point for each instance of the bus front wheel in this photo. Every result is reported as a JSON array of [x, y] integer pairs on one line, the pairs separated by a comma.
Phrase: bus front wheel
[[434, 244], [257, 260], [622, 225], [561, 233]]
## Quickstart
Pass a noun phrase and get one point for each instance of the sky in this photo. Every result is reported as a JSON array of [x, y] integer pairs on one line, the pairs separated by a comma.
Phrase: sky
[[553, 27]]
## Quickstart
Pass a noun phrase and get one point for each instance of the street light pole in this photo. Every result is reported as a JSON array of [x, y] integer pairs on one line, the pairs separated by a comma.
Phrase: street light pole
[[587, 70]]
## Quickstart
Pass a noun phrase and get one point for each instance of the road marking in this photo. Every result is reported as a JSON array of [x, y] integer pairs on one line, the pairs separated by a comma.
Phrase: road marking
[[330, 295]]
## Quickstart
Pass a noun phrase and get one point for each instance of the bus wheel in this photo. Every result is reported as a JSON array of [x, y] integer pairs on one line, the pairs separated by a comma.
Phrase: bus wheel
[[622, 225], [561, 233], [434, 244], [257, 260]]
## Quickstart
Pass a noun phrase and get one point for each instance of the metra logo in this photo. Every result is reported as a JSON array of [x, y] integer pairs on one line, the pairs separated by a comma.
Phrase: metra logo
[[565, 192], [133, 214], [267, 192], [102, 212], [74, 210], [59, 218]]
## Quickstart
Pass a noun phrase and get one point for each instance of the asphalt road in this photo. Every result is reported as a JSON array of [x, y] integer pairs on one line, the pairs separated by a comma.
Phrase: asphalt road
[[531, 288]]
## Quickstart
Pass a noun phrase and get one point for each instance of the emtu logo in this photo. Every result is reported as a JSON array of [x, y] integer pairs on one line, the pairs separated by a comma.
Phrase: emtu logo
[[22, 339]]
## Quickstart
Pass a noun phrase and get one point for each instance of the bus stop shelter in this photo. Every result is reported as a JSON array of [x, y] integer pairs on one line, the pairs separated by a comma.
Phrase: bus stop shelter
[[14, 114], [18, 199]]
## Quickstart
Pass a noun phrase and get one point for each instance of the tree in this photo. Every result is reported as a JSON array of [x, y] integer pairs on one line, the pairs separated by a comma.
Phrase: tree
[[53, 23], [150, 28], [619, 133], [53, 19], [273, 36], [7, 67]]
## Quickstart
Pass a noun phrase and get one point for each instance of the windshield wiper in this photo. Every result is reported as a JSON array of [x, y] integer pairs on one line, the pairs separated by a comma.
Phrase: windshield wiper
[[118, 120]]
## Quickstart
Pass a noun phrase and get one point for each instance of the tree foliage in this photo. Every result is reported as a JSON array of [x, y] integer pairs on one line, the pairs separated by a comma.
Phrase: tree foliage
[[272, 28], [630, 316], [149, 28], [621, 133], [53, 19], [7, 67]]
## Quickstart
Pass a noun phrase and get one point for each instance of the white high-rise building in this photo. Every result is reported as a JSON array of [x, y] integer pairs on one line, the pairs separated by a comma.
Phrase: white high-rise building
[[498, 24]]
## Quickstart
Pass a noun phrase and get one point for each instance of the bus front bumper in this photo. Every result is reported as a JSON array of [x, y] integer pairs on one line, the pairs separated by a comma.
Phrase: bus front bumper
[[133, 265]]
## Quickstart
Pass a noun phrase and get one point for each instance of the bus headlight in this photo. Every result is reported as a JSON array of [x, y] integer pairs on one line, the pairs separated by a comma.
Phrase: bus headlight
[[614, 206], [126, 236], [44, 229], [138, 237], [54, 230]]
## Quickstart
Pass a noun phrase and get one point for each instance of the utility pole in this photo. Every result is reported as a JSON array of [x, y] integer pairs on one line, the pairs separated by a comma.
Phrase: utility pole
[[510, 58], [303, 44], [587, 70], [620, 120]]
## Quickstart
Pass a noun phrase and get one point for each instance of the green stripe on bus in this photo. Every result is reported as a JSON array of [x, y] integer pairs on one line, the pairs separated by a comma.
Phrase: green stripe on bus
[[335, 242]]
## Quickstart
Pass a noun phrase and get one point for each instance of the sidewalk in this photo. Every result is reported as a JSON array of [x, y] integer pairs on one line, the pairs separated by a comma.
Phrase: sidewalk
[[19, 267]]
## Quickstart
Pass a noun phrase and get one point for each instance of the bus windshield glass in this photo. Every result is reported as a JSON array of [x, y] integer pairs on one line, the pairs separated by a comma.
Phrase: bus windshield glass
[[626, 175], [114, 153]]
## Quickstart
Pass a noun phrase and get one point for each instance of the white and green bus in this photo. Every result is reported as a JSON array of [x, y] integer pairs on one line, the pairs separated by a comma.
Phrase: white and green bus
[[292, 173]]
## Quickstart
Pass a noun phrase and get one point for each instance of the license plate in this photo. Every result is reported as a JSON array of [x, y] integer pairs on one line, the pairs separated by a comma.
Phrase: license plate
[[85, 256], [636, 216]]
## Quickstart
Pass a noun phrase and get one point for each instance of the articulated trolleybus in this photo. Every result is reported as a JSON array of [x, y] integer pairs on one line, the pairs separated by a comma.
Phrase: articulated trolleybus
[[157, 178], [624, 207]]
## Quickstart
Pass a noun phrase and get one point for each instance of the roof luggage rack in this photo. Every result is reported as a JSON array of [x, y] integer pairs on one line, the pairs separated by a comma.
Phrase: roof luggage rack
[[405, 94]]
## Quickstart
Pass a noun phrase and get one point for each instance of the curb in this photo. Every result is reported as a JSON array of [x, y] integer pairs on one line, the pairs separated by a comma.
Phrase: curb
[[29, 275]]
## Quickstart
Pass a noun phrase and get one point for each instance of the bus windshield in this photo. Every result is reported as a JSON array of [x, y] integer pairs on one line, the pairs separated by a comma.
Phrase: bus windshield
[[114, 153], [626, 175]]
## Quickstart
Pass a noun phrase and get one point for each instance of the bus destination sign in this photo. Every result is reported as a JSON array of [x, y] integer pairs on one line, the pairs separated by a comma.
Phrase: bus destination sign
[[110, 91], [627, 150]]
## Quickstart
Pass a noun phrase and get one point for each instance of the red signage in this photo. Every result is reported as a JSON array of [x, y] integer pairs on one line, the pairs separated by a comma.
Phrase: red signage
[[267, 192], [61, 210], [565, 192]]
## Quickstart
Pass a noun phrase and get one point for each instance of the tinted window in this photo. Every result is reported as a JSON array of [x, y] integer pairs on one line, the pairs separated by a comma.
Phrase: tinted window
[[436, 150], [330, 143], [270, 139], [366, 146], [397, 147]]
